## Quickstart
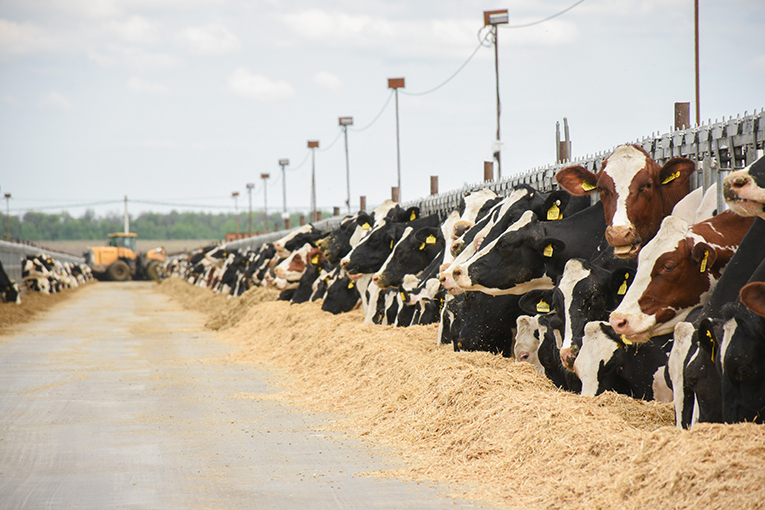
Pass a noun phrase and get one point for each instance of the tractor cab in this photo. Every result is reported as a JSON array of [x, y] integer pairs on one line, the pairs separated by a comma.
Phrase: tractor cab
[[122, 240]]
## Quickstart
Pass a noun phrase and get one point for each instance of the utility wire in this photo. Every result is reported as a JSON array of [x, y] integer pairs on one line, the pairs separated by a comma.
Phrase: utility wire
[[307, 154], [378, 115], [480, 44], [325, 149], [545, 19]]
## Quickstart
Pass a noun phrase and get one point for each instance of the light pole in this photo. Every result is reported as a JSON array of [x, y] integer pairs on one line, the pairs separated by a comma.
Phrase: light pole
[[313, 145], [249, 196], [235, 195], [495, 18], [285, 216], [8, 213], [345, 122], [265, 199], [395, 84]]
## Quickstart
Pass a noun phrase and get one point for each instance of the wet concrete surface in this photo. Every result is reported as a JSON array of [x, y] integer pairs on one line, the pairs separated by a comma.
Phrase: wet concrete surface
[[118, 398]]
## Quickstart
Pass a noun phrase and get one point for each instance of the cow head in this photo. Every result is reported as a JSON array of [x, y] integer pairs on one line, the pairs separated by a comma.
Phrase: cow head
[[636, 193], [744, 191]]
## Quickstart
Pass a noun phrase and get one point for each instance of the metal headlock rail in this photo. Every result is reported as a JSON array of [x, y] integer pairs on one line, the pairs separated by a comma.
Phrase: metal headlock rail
[[12, 253], [717, 148]]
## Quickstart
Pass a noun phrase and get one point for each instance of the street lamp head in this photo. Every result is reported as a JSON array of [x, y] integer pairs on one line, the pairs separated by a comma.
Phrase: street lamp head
[[250, 185], [284, 162], [235, 194], [7, 195], [396, 83], [499, 17], [345, 121], [265, 176], [313, 144]]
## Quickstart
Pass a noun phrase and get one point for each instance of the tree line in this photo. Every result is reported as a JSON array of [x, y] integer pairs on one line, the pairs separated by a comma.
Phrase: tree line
[[38, 226]]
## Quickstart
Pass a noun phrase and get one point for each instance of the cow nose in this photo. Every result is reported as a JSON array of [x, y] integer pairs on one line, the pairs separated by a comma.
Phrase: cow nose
[[344, 263], [567, 358], [737, 182], [375, 278], [619, 323], [457, 272]]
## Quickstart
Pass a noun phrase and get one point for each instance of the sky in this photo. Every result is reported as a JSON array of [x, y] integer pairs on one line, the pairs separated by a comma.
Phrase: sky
[[178, 103]]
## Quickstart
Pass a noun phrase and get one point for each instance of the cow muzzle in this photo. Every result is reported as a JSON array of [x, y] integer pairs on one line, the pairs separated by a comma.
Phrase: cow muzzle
[[568, 357], [625, 240], [380, 280]]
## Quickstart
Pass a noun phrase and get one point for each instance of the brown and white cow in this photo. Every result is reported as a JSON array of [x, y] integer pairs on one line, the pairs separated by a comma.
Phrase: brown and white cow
[[636, 193], [677, 271]]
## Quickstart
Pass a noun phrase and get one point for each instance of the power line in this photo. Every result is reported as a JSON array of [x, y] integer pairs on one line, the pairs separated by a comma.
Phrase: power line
[[378, 115], [545, 19], [308, 153], [325, 149], [480, 44]]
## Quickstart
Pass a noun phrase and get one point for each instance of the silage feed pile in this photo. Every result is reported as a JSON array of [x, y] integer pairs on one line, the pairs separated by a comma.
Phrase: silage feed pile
[[493, 428]]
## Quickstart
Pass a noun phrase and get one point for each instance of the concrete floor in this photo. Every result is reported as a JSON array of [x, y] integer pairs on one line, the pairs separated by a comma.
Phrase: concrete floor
[[117, 399]]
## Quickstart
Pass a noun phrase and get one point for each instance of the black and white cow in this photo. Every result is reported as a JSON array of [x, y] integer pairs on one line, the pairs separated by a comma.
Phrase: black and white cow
[[9, 291], [606, 363], [744, 190]]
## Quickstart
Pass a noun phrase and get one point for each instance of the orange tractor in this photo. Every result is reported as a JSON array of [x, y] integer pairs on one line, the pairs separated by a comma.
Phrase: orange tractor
[[120, 261]]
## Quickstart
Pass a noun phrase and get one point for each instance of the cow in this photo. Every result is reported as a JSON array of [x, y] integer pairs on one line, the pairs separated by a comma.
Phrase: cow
[[315, 264], [587, 292], [531, 254], [744, 190], [528, 336], [9, 291], [677, 270], [342, 296], [292, 268], [636, 193], [605, 362], [411, 255], [487, 323], [297, 238], [352, 229]]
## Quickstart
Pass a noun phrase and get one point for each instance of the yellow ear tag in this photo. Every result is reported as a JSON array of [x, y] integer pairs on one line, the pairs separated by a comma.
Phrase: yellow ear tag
[[365, 226], [431, 239], [422, 246], [625, 341], [543, 307], [704, 261], [623, 289], [712, 339], [553, 213], [671, 177], [586, 186], [391, 244], [548, 252], [351, 285], [403, 297], [413, 216], [315, 259]]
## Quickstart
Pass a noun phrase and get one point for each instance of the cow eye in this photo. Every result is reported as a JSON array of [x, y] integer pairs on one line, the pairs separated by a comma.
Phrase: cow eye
[[668, 267]]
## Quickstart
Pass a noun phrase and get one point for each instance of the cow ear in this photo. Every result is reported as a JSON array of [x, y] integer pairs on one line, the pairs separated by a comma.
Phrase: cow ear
[[412, 213], [577, 180], [536, 301], [429, 235], [621, 279], [554, 205], [707, 338], [676, 172], [704, 255], [550, 247], [753, 296], [364, 221]]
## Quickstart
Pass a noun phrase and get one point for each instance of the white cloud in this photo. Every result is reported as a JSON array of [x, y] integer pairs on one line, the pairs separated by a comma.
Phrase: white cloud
[[144, 87], [141, 59], [212, 39], [135, 30], [758, 64], [23, 38], [328, 81], [56, 100], [257, 87], [11, 100]]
